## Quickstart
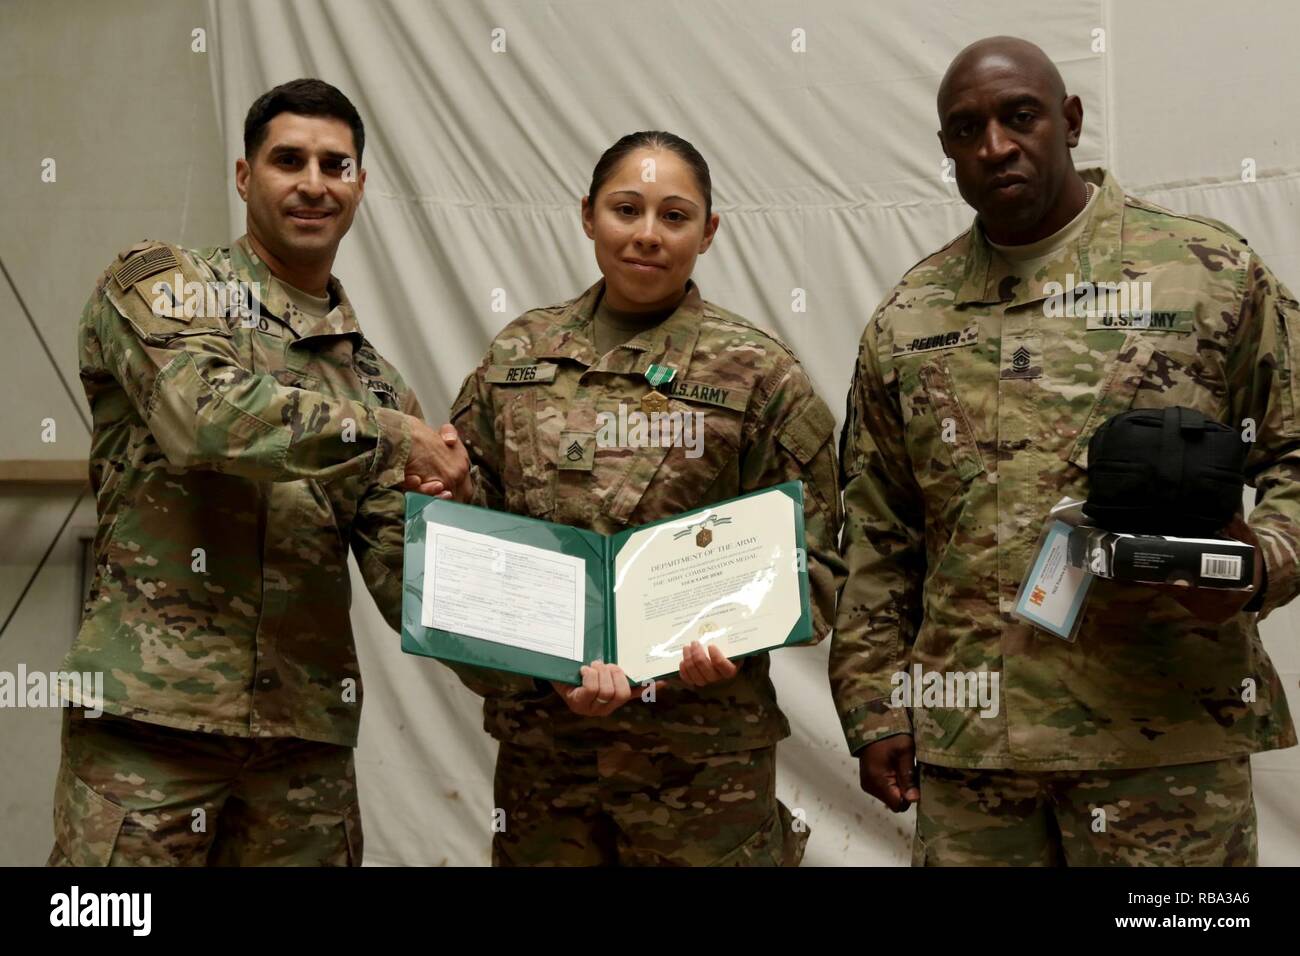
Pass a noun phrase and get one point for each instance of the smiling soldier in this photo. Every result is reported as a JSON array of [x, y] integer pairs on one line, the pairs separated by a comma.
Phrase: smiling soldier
[[236, 457]]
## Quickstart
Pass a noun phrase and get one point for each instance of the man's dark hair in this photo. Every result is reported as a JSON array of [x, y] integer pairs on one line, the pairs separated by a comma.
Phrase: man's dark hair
[[306, 97], [652, 139]]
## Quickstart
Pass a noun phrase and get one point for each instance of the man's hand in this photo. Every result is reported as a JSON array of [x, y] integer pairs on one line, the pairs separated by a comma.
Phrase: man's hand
[[1215, 605], [438, 464], [700, 668], [887, 771], [604, 689]]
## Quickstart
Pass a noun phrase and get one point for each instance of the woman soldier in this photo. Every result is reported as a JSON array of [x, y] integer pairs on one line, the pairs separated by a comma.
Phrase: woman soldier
[[682, 773]]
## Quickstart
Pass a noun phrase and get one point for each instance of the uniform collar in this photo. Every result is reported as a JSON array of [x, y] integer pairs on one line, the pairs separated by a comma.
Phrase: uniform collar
[[340, 320], [669, 343], [1095, 257]]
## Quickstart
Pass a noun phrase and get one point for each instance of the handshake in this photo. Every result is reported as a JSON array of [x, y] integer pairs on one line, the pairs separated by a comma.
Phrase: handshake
[[438, 464]]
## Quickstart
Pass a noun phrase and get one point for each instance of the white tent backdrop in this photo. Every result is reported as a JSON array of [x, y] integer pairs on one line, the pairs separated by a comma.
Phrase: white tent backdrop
[[827, 174]]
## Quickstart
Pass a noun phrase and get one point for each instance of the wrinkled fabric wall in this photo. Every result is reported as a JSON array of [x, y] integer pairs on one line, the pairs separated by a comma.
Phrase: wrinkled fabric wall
[[828, 177]]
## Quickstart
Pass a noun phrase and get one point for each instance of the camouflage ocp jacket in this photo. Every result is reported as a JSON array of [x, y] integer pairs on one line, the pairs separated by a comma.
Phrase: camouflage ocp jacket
[[235, 460], [973, 400], [529, 417]]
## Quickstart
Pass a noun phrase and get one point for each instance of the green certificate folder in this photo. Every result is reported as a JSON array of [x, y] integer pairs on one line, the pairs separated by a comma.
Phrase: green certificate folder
[[499, 590]]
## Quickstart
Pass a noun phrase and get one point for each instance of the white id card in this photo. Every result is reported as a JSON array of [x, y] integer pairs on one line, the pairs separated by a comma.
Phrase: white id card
[[1052, 594]]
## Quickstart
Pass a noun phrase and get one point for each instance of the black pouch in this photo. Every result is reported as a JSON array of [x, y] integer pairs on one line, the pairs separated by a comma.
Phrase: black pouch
[[1166, 471]]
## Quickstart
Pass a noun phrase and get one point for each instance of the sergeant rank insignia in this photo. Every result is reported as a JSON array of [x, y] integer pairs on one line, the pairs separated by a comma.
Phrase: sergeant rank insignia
[[1025, 359], [577, 451]]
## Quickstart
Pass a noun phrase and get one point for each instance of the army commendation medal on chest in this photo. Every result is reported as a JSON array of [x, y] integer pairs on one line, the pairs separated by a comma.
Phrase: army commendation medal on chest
[[534, 597], [656, 401]]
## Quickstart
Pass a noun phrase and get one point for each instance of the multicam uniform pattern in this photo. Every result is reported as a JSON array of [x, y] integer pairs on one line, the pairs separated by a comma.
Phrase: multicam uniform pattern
[[940, 533], [528, 415], [628, 807], [131, 793], [1197, 814], [235, 459]]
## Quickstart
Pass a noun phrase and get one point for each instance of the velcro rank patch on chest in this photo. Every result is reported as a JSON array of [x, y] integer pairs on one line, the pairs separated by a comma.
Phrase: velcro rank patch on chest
[[934, 341], [526, 374], [577, 451]]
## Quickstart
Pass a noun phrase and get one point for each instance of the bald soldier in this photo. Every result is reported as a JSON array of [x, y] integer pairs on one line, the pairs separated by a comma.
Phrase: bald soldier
[[246, 436], [973, 400]]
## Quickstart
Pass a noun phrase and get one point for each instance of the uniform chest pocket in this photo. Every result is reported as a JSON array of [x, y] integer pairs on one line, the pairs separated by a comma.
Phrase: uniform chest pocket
[[940, 436], [328, 365], [1183, 376], [683, 464], [292, 378], [1156, 371], [529, 432], [1117, 392]]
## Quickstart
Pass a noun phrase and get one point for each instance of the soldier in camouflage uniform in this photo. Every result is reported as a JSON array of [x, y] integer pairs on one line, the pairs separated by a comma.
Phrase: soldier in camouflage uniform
[[973, 400], [240, 447], [683, 775]]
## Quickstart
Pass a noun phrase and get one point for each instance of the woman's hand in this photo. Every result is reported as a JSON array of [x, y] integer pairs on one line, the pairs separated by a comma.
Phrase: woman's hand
[[604, 689], [700, 668], [434, 454]]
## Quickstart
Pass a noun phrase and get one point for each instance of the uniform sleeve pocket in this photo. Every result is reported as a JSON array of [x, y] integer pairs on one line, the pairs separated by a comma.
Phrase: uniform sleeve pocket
[[86, 823], [464, 399], [1288, 321], [805, 436], [157, 325], [806, 432]]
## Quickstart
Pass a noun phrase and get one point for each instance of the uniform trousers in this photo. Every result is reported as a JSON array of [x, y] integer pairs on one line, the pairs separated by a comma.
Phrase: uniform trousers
[[1200, 814], [131, 793], [616, 806]]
